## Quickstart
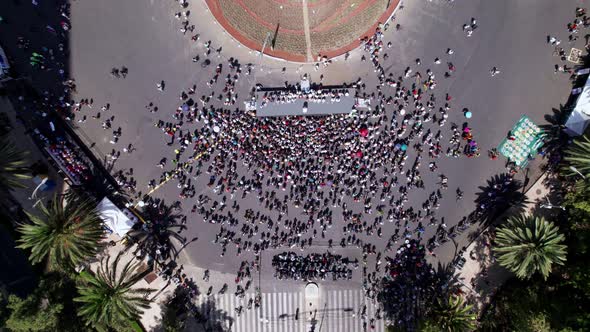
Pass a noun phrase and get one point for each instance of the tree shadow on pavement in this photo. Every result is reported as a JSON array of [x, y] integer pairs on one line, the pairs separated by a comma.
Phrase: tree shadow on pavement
[[447, 277], [491, 277], [501, 196], [181, 313], [501, 192], [549, 207], [411, 285], [555, 137], [208, 318], [156, 236], [482, 246]]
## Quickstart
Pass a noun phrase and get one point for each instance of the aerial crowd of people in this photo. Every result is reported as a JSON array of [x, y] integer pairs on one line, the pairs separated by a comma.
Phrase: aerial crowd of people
[[340, 181], [289, 265]]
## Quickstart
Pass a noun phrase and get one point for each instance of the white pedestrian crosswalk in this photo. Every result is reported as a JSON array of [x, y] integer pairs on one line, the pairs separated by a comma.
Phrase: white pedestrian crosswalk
[[342, 309]]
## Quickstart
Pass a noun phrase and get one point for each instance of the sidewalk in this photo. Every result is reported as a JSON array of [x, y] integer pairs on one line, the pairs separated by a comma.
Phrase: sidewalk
[[151, 317], [20, 277], [24, 142], [481, 276]]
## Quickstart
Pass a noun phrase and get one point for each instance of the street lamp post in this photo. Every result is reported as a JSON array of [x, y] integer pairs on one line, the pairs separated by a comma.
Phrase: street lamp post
[[550, 205], [577, 171], [34, 194]]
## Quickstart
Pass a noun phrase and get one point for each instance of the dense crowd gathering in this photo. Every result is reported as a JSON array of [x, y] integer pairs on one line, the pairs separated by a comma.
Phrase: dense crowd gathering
[[352, 172], [409, 281], [289, 265], [308, 175], [291, 95], [343, 181]]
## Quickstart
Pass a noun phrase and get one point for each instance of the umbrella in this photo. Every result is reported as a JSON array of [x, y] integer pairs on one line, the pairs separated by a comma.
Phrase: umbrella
[[216, 129], [358, 154], [364, 132], [185, 107], [404, 147], [468, 114]]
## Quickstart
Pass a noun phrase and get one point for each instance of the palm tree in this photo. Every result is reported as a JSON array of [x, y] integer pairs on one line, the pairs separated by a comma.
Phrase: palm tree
[[451, 314], [528, 244], [66, 234], [577, 156], [12, 165], [577, 162], [108, 298], [155, 235]]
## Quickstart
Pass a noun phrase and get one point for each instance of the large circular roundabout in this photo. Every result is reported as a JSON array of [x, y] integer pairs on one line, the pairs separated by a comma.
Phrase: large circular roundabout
[[301, 30]]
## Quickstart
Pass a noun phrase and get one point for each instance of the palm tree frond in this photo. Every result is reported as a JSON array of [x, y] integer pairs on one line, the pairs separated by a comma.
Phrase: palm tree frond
[[529, 244], [13, 167], [64, 235], [108, 298]]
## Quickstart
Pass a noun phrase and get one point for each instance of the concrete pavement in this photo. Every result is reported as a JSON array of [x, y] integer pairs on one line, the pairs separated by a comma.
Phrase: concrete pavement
[[510, 36], [481, 275], [525, 61], [145, 37]]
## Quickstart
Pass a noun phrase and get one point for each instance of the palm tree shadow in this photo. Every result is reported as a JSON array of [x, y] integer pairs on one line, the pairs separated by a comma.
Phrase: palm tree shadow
[[501, 192], [180, 311], [448, 278], [157, 235], [545, 208], [208, 318], [559, 116], [555, 138], [481, 250], [411, 285], [492, 277]]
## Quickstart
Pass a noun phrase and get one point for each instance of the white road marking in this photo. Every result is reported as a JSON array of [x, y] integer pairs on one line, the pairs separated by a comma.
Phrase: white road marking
[[307, 31]]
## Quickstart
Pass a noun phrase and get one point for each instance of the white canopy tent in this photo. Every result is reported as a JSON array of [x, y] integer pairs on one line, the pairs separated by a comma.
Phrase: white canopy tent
[[118, 221], [576, 123], [580, 118]]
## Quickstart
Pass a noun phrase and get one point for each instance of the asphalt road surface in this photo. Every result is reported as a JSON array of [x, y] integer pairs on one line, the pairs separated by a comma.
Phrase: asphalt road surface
[[145, 37]]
